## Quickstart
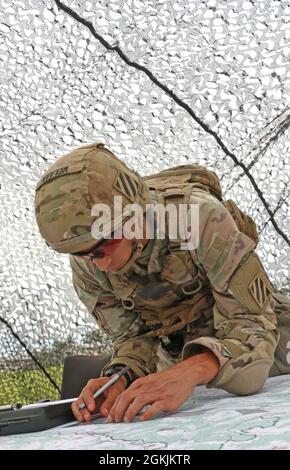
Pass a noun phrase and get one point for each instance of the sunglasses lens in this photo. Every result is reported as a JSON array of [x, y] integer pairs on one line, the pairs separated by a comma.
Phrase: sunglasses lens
[[105, 249]]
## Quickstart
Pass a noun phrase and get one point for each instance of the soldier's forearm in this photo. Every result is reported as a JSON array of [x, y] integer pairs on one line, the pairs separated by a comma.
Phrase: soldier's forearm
[[201, 368]]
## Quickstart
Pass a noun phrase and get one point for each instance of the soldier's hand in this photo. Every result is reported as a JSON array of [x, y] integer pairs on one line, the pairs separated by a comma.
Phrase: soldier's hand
[[163, 391], [103, 404]]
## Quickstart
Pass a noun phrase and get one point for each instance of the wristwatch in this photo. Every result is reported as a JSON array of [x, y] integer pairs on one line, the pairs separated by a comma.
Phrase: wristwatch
[[116, 368]]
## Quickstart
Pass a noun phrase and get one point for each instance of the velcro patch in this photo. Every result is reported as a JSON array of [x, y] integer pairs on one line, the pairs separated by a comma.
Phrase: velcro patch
[[126, 185], [216, 250]]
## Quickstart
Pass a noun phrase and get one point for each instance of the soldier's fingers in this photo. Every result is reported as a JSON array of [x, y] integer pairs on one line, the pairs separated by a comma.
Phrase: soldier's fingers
[[151, 411], [75, 409], [83, 414], [88, 392], [137, 405], [120, 406], [83, 401], [86, 397], [111, 416], [87, 415], [112, 394], [80, 415]]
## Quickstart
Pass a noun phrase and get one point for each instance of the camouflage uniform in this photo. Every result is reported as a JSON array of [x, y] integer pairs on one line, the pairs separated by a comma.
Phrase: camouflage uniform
[[172, 304]]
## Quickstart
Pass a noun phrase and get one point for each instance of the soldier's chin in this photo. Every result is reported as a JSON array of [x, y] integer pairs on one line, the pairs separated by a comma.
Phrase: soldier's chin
[[115, 268]]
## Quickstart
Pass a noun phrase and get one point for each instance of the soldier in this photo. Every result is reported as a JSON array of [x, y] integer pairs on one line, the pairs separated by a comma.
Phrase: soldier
[[177, 317]]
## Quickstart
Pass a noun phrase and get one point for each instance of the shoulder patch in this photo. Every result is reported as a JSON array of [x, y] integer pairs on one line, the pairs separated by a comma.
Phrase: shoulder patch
[[250, 285], [259, 290], [126, 185]]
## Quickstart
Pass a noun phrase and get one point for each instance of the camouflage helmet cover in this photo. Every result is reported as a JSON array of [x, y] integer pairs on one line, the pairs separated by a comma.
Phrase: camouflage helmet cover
[[70, 188]]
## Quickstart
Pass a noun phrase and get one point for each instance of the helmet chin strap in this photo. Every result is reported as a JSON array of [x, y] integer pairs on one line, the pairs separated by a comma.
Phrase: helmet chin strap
[[135, 253]]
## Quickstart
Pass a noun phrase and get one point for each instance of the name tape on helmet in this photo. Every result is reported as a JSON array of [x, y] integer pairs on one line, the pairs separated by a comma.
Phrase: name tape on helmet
[[65, 170]]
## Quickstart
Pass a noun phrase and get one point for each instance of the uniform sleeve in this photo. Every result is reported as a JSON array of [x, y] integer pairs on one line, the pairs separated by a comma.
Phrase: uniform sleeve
[[244, 320], [121, 325]]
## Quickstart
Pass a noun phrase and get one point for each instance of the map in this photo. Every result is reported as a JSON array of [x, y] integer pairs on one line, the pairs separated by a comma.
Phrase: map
[[210, 419]]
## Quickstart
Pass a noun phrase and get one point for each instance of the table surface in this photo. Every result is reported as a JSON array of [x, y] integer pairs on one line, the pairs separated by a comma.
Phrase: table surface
[[210, 419]]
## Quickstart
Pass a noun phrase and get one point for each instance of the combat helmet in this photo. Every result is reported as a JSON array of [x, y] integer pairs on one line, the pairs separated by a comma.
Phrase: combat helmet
[[73, 185]]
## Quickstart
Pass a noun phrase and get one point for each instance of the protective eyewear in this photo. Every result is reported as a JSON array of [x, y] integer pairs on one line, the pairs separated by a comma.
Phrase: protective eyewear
[[105, 248]]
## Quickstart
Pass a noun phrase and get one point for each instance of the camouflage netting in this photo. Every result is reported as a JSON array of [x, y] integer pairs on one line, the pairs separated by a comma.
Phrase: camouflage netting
[[163, 83]]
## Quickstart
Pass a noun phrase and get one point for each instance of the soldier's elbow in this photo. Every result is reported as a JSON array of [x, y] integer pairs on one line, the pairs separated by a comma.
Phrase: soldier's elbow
[[249, 379]]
